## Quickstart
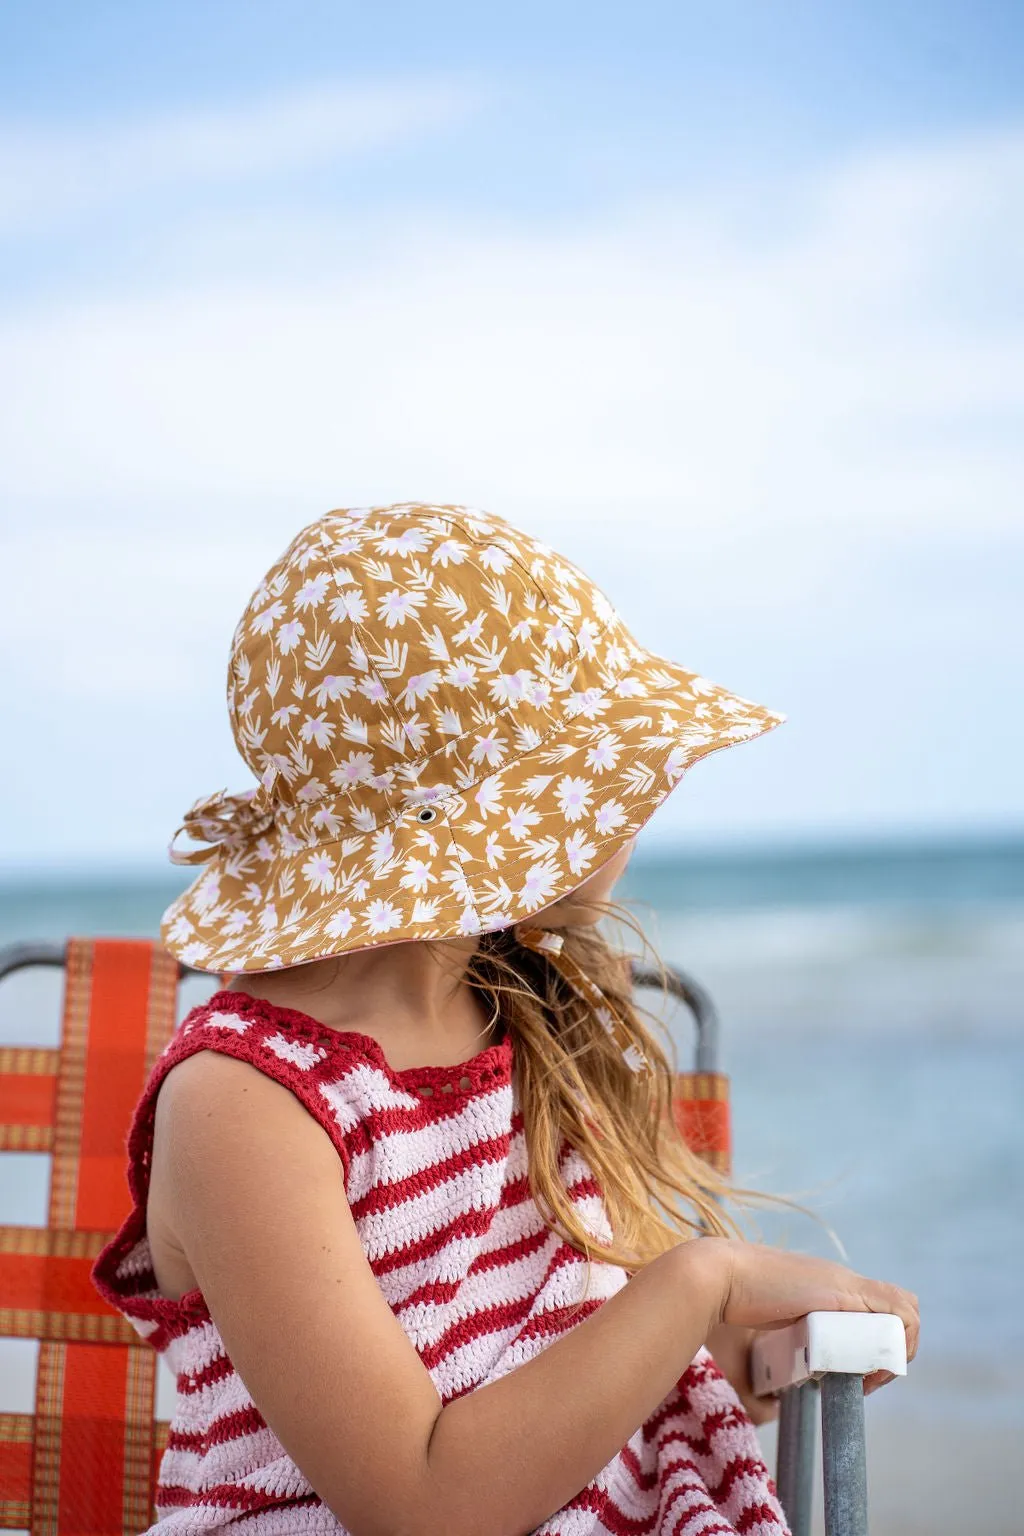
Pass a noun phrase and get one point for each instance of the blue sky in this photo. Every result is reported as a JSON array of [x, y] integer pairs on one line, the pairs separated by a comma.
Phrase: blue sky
[[725, 300]]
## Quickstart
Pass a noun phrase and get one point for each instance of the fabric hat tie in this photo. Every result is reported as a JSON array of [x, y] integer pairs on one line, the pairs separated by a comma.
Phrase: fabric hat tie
[[543, 941], [220, 820]]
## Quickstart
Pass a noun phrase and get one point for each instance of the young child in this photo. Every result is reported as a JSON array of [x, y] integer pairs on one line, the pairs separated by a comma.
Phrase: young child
[[412, 1225]]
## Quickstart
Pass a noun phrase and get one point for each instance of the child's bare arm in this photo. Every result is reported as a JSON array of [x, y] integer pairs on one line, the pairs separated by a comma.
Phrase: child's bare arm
[[260, 1210]]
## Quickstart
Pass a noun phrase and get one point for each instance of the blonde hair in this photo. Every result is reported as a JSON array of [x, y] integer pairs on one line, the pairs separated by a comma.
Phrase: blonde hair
[[576, 1088]]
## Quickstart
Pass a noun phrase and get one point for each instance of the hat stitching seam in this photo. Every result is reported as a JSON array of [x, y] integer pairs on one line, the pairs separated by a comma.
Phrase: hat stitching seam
[[503, 716], [529, 576], [462, 793]]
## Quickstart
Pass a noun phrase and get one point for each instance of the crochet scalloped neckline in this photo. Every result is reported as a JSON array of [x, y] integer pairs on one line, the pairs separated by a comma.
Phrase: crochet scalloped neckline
[[489, 1067]]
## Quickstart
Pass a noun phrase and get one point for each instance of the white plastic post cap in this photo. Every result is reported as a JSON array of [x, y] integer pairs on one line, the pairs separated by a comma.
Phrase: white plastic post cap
[[852, 1343]]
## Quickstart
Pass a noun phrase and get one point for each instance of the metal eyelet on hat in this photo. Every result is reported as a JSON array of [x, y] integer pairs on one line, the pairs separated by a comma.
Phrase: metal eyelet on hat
[[426, 814]]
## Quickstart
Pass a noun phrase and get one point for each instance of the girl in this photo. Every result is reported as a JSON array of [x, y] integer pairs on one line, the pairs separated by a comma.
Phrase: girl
[[412, 1225]]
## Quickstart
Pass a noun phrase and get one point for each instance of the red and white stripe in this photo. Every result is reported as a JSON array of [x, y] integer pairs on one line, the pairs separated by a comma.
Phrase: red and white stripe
[[439, 1192]]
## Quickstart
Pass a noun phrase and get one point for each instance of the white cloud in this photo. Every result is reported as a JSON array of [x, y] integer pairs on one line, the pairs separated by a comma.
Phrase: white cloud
[[50, 176], [755, 440], [653, 359]]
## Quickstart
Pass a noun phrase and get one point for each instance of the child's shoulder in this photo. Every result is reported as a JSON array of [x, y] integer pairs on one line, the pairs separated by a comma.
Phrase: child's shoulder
[[233, 1055]]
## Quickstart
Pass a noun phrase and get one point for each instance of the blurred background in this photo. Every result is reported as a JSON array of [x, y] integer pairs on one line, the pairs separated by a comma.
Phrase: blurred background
[[723, 300]]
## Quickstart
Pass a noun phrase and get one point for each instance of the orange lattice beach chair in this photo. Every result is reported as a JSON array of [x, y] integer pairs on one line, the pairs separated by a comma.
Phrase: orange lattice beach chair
[[85, 1462]]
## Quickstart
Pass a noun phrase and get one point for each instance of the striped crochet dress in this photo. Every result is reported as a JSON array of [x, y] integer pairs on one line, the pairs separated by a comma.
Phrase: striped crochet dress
[[435, 1171]]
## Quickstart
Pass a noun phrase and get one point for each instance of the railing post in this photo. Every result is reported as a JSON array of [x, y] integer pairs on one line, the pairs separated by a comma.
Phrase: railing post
[[843, 1455], [795, 1466], [838, 1349]]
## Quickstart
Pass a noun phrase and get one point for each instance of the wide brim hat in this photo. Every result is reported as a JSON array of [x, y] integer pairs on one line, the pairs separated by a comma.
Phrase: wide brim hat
[[451, 728]]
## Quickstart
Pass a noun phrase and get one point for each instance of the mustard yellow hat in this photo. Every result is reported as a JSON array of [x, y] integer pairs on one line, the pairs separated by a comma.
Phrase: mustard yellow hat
[[451, 728]]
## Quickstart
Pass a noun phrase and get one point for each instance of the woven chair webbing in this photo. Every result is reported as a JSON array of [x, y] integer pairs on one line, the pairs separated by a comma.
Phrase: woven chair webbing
[[84, 1464], [700, 1105]]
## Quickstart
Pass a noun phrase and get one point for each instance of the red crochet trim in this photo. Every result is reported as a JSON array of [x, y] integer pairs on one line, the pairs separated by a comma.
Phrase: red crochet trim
[[489, 1067]]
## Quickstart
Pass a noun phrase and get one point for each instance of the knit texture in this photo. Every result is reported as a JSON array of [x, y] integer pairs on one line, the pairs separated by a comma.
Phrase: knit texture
[[435, 1171]]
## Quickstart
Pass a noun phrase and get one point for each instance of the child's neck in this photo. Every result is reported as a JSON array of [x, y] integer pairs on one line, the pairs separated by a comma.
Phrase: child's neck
[[413, 998]]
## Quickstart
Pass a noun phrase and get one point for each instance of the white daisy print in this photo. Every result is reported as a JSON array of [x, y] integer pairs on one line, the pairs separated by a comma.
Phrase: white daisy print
[[319, 872], [356, 768], [397, 606], [264, 622], [373, 689], [383, 848], [540, 882], [488, 749], [382, 916], [590, 703], [488, 796], [579, 852], [495, 559], [604, 755], [312, 592], [587, 634], [448, 552], [573, 797], [194, 953], [609, 817], [456, 880], [350, 604], [289, 635], [415, 731], [471, 632], [461, 674], [519, 822], [325, 820], [339, 924], [558, 637], [417, 876], [313, 789], [509, 687], [411, 541], [332, 689], [675, 764], [317, 728], [418, 687]]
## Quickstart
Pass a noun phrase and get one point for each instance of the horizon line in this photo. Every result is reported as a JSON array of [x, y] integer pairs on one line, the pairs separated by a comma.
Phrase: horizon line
[[673, 847]]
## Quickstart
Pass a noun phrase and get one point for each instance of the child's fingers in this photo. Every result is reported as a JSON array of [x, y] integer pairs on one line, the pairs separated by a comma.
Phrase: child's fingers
[[762, 1410]]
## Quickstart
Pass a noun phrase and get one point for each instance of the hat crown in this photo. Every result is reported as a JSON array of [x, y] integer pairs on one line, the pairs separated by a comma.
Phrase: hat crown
[[401, 653]]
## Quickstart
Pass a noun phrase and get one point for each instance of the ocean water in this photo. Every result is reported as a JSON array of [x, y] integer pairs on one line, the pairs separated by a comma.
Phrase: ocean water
[[871, 1004]]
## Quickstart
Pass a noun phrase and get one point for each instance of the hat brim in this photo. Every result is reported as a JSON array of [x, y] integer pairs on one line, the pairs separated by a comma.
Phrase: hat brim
[[525, 835]]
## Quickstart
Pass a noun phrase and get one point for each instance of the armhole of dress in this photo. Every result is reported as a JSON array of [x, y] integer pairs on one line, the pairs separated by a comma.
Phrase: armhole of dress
[[123, 1272]]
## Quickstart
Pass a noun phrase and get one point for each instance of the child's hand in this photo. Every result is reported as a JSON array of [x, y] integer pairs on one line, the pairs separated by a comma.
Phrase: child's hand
[[730, 1346], [767, 1288]]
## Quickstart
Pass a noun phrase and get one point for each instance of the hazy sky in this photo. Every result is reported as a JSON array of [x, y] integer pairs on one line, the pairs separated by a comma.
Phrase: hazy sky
[[726, 300]]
